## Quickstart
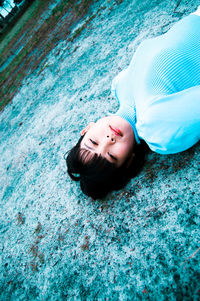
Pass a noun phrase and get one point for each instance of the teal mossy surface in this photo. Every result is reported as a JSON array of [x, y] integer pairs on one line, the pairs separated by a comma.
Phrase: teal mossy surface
[[140, 243]]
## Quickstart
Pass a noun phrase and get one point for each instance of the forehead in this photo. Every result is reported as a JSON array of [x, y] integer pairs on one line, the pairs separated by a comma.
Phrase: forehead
[[86, 155]]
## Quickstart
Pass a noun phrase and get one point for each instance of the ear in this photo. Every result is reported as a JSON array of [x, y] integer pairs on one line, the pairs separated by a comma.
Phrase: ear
[[87, 128], [130, 159]]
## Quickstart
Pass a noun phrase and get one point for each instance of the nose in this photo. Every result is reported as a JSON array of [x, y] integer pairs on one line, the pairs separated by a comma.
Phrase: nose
[[111, 138]]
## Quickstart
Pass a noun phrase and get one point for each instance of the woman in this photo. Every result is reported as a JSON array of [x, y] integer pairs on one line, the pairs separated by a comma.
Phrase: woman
[[159, 96]]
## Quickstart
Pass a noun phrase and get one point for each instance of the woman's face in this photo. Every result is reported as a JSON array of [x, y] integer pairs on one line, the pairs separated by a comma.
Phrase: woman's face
[[111, 137]]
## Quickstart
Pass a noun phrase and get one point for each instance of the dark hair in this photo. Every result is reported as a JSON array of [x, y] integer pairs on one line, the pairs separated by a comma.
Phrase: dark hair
[[97, 175]]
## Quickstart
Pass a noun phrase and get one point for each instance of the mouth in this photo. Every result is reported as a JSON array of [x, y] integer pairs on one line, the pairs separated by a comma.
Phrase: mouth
[[116, 131]]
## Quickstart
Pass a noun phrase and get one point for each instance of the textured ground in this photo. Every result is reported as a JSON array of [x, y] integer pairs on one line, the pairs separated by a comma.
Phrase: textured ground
[[141, 243]]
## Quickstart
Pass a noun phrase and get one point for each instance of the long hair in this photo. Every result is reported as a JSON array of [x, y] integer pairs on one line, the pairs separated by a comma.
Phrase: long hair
[[97, 175]]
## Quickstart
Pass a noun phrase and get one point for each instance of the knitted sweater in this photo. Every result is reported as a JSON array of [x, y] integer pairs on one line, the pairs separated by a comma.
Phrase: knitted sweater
[[159, 92]]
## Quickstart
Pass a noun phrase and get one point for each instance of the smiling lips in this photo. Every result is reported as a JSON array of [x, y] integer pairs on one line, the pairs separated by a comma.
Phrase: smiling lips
[[116, 131]]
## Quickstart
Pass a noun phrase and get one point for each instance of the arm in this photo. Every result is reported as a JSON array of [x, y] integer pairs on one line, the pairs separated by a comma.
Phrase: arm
[[171, 124], [122, 88]]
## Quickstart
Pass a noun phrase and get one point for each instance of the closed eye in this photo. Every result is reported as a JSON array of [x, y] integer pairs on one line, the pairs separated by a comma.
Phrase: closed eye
[[114, 158], [93, 142]]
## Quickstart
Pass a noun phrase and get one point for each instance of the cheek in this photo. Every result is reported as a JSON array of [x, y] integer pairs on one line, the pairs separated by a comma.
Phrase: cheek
[[124, 149]]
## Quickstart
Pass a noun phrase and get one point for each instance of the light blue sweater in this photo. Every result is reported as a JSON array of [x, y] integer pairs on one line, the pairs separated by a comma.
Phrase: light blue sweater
[[159, 92]]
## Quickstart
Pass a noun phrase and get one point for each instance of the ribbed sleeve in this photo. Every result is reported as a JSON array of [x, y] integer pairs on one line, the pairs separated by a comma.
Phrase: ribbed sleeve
[[160, 86]]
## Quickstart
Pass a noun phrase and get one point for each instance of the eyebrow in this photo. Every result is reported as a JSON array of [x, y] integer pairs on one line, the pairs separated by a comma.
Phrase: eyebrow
[[90, 148]]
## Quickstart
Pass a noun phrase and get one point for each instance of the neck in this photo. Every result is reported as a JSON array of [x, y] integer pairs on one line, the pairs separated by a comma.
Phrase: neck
[[129, 114]]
